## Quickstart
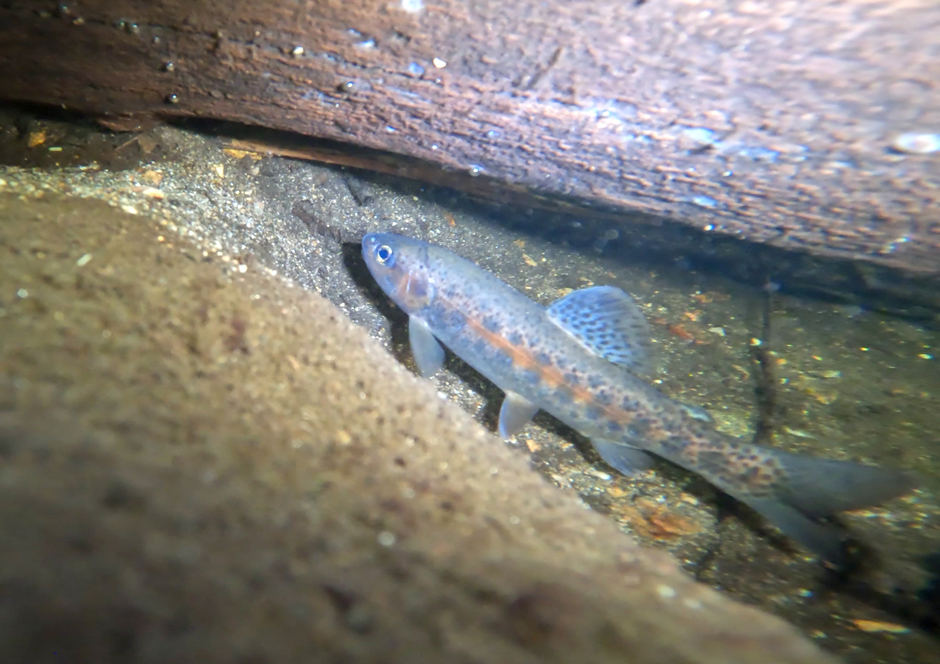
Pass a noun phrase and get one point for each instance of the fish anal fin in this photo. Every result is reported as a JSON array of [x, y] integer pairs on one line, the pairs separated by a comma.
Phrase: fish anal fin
[[427, 351], [515, 413], [606, 321], [630, 461]]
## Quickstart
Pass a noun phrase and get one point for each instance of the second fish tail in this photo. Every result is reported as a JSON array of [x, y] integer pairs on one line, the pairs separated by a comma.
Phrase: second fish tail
[[796, 492]]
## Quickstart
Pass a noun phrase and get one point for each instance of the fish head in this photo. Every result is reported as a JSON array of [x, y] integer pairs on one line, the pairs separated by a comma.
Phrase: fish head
[[400, 266]]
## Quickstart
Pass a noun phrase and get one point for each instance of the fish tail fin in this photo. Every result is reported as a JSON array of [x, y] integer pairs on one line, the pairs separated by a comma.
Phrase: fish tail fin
[[808, 488]]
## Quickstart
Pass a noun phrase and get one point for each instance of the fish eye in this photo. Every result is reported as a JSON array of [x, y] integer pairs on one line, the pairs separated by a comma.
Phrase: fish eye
[[383, 254]]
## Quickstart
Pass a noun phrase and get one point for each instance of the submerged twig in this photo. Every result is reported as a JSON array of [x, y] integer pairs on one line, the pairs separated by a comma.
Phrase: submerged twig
[[766, 389]]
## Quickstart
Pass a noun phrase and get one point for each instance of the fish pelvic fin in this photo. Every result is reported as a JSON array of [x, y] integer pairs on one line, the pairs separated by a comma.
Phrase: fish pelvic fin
[[798, 492]]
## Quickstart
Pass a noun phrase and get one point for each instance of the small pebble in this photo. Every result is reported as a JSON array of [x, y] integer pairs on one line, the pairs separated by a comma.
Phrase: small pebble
[[875, 626], [917, 143], [666, 592]]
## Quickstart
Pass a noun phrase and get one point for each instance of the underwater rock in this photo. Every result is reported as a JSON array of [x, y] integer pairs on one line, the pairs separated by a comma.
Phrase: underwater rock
[[202, 463]]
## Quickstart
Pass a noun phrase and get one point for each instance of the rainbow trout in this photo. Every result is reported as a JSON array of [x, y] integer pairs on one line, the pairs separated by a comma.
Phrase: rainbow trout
[[579, 359]]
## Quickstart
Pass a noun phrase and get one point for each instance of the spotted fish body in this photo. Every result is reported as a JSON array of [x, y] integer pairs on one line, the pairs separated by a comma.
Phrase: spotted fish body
[[580, 359]]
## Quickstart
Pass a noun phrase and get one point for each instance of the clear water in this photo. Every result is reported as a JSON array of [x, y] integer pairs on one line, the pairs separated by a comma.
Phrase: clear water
[[847, 372]]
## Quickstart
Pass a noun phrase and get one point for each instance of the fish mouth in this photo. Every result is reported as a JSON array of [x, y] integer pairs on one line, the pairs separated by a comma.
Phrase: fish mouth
[[369, 243]]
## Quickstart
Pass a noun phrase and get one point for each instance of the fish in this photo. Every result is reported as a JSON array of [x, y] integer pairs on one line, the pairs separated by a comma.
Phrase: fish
[[583, 359]]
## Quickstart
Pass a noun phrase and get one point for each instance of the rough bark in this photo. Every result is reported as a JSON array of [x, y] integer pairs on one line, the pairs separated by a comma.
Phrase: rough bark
[[806, 126]]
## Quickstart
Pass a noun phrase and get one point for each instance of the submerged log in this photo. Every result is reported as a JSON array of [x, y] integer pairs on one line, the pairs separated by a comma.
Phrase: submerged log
[[805, 127]]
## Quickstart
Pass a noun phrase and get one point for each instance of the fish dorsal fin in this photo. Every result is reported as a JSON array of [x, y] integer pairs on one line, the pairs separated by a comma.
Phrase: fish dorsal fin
[[607, 322]]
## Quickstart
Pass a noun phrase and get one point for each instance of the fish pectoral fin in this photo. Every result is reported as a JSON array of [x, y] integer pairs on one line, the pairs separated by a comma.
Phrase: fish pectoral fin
[[607, 322], [427, 351], [515, 413], [628, 460]]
